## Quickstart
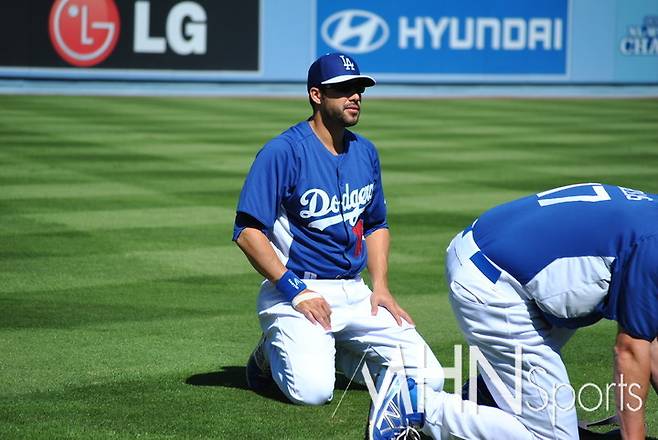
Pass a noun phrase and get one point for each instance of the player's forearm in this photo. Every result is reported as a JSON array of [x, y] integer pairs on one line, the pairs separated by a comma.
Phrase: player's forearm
[[260, 254], [632, 372], [378, 245]]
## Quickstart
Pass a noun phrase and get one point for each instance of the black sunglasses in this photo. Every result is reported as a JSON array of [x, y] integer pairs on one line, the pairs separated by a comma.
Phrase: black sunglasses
[[345, 89]]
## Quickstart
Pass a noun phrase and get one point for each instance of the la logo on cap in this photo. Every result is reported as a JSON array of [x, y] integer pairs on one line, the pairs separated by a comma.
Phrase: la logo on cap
[[348, 63]]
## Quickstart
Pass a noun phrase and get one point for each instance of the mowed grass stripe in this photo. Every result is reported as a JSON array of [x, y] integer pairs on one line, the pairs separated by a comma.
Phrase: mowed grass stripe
[[50, 243], [144, 122], [117, 219], [139, 218], [80, 190], [58, 273]]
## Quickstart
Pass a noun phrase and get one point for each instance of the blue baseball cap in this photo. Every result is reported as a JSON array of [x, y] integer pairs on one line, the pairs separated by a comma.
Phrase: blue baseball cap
[[334, 68]]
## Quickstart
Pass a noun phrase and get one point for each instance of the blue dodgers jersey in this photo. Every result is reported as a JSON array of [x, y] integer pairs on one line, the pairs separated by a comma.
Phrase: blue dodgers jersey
[[580, 251], [315, 207]]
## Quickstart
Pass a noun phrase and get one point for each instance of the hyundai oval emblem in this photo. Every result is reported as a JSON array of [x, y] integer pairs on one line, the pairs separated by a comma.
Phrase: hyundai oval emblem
[[355, 31]]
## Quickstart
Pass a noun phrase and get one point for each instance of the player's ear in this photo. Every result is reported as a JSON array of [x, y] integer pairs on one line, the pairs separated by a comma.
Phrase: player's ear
[[315, 95]]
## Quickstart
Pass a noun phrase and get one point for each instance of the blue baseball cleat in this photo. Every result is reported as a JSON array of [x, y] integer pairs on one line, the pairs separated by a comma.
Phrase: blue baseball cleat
[[258, 371], [391, 419]]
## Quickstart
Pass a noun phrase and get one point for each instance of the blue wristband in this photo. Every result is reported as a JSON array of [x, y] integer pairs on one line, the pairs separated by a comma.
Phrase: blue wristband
[[290, 285]]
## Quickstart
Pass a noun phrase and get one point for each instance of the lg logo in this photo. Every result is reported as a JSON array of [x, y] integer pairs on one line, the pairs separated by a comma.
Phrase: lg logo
[[85, 32], [186, 30], [355, 31]]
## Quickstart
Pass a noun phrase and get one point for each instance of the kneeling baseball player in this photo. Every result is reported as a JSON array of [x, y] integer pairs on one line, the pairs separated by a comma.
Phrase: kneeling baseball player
[[521, 279], [310, 217]]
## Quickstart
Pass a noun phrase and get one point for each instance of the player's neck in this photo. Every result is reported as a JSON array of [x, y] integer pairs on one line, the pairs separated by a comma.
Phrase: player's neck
[[331, 136]]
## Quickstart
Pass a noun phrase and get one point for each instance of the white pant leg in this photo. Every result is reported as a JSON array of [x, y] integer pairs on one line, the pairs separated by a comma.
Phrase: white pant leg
[[447, 416], [495, 318], [301, 354], [383, 341]]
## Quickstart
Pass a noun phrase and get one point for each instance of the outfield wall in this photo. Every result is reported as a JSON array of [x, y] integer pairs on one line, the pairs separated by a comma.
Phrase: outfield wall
[[425, 41]]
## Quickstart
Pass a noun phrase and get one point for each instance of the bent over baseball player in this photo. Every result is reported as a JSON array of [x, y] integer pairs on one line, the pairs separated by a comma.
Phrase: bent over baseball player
[[310, 217], [524, 276]]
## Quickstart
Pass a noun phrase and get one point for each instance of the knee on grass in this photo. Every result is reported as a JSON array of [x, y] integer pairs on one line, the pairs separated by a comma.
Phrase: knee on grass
[[312, 391]]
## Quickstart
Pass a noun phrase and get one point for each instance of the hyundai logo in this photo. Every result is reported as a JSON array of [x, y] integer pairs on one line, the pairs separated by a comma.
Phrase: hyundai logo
[[355, 31]]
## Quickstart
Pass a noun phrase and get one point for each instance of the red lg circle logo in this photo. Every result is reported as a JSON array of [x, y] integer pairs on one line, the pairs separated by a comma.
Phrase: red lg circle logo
[[84, 32]]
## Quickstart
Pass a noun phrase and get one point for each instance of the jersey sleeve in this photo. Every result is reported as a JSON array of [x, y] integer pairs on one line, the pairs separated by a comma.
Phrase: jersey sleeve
[[637, 307], [375, 213], [266, 185]]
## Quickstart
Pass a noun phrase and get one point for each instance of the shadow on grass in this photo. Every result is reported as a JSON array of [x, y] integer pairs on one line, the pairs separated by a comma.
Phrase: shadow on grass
[[228, 377], [235, 377]]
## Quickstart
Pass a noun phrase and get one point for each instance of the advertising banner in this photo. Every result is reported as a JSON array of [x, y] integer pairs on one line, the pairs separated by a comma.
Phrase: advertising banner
[[419, 42], [470, 37], [203, 35]]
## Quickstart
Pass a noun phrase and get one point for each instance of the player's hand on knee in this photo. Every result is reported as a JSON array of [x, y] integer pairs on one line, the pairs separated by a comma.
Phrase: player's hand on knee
[[314, 307], [383, 297]]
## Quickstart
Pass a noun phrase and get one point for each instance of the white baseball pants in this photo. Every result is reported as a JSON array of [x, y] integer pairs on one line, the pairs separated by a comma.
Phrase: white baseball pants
[[496, 317], [303, 356]]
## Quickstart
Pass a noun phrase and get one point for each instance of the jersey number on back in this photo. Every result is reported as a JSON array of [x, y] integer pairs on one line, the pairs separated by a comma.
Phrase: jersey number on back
[[600, 194]]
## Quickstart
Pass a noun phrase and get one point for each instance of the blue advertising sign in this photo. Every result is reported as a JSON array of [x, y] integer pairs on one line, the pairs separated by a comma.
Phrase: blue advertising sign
[[470, 37]]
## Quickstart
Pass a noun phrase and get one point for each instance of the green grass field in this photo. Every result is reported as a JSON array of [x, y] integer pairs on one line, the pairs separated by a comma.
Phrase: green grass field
[[127, 312]]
